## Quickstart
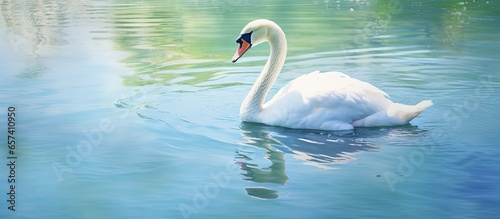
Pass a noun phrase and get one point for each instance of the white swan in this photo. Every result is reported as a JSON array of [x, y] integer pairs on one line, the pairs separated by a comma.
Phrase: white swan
[[325, 101]]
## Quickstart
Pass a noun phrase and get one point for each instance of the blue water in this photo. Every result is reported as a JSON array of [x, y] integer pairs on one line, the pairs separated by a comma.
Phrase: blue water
[[130, 109]]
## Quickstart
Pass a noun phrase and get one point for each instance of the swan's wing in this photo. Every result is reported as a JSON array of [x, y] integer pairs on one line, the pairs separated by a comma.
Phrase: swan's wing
[[329, 95]]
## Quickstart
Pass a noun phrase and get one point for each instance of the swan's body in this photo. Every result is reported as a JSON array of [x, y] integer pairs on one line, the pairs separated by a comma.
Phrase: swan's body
[[326, 101]]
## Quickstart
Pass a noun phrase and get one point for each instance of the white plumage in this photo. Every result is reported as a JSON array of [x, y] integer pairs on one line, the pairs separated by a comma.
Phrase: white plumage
[[326, 101]]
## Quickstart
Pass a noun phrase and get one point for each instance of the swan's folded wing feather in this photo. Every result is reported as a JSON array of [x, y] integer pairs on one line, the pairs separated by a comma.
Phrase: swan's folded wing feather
[[330, 95], [292, 85]]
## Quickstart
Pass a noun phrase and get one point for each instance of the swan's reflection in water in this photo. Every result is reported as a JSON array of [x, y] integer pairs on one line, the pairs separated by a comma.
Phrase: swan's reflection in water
[[264, 160]]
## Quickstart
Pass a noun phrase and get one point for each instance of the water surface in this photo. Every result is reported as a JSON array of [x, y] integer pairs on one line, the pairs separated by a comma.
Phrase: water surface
[[130, 109]]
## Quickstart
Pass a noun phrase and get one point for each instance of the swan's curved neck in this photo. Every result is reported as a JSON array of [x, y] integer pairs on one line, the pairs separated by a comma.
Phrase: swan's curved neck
[[253, 103]]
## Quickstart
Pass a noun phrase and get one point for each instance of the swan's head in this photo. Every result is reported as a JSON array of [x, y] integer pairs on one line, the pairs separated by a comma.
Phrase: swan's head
[[254, 33]]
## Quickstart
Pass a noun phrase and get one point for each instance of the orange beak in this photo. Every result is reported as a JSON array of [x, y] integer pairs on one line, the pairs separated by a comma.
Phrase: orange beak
[[244, 46]]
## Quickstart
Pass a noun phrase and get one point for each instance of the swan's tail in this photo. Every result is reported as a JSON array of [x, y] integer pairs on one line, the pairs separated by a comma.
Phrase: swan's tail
[[403, 114], [424, 105], [395, 114]]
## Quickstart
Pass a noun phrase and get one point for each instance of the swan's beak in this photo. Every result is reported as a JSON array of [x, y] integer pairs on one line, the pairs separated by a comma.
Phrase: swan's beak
[[244, 46]]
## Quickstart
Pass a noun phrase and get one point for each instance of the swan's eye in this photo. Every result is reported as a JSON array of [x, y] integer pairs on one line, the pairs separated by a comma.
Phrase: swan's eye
[[247, 37]]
